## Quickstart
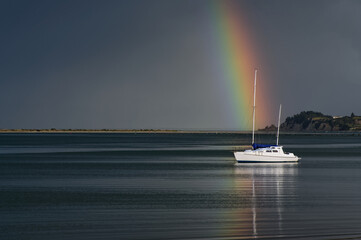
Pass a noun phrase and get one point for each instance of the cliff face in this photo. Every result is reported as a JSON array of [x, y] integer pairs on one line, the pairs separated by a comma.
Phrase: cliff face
[[310, 121]]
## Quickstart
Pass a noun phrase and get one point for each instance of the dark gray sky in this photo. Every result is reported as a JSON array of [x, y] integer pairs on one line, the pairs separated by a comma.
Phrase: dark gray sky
[[145, 64]]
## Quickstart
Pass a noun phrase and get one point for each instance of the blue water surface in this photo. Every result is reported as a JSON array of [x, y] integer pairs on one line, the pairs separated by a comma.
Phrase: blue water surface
[[176, 186]]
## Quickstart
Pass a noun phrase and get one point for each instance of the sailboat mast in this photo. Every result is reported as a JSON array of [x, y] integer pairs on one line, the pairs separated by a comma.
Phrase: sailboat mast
[[254, 103], [279, 122]]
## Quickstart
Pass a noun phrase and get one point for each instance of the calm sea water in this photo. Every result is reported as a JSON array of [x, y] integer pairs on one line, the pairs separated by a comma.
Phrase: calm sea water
[[176, 186]]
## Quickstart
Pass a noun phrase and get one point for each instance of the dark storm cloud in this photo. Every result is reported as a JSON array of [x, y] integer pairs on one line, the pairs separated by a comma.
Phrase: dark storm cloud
[[312, 49], [145, 64]]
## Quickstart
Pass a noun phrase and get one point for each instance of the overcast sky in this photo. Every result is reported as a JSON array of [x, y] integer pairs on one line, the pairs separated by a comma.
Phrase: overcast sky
[[145, 64]]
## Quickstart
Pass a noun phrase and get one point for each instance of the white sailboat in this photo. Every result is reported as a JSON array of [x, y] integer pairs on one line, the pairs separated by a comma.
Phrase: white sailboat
[[260, 152]]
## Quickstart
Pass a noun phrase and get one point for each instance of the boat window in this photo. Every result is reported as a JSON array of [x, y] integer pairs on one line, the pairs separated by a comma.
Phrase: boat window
[[275, 151], [268, 151]]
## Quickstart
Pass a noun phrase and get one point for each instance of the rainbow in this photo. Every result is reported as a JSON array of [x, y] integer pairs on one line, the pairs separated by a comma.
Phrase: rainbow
[[237, 61]]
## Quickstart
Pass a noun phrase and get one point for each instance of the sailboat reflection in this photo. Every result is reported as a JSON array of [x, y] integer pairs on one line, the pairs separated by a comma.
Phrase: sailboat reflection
[[266, 188]]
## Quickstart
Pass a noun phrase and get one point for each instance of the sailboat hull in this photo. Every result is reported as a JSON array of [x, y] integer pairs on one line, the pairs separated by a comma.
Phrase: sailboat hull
[[254, 156]]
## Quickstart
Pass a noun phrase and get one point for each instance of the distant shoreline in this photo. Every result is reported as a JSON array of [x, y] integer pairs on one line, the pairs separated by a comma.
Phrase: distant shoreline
[[150, 131], [116, 131]]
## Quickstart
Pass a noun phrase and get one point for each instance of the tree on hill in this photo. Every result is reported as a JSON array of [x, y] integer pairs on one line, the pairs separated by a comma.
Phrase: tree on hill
[[304, 116], [316, 121]]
